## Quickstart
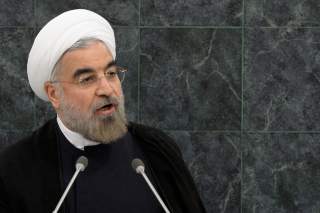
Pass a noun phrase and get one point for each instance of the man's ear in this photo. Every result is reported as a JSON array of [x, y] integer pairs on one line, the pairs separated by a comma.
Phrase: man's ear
[[53, 94]]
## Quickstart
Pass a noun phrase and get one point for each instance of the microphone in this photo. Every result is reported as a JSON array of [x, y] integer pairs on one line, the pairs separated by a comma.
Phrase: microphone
[[138, 167], [81, 165]]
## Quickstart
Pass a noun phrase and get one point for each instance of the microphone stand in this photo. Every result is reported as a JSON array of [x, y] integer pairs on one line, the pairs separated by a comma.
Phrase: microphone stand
[[81, 164], [154, 191], [66, 191], [138, 167]]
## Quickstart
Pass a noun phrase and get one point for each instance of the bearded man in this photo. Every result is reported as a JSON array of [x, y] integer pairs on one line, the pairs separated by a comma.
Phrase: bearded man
[[72, 64]]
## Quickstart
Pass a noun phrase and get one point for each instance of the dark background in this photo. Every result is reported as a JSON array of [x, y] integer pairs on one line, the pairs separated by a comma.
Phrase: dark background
[[235, 82]]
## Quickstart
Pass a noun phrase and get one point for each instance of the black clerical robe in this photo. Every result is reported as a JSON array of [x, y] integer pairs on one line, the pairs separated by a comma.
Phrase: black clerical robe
[[31, 178], [109, 181]]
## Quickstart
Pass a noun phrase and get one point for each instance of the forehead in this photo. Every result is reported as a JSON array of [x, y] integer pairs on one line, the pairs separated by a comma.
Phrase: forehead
[[94, 56]]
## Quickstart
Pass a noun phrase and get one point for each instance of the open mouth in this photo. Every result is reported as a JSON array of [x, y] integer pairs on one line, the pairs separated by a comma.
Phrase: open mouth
[[106, 109]]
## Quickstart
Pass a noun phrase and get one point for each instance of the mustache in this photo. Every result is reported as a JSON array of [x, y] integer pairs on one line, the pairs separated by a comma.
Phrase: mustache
[[106, 101]]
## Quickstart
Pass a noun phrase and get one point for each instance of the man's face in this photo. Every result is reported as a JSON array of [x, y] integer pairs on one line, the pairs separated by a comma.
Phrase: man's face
[[94, 110]]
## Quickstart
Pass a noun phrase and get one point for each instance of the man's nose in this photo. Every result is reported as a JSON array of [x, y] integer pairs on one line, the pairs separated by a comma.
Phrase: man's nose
[[104, 87]]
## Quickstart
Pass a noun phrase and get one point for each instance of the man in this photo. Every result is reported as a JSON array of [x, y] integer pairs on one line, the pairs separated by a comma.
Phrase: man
[[72, 65]]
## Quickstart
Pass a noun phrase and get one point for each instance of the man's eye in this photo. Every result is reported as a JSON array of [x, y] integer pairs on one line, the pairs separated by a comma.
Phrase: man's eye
[[87, 80], [111, 73]]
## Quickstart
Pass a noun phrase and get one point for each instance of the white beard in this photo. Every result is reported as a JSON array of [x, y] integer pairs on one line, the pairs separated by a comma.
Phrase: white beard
[[103, 129]]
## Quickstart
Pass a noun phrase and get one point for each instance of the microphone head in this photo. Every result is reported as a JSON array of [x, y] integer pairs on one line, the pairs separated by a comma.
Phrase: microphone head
[[137, 165], [82, 163]]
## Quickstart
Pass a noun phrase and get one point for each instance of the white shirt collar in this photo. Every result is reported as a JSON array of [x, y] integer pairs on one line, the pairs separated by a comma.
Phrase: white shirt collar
[[75, 138]]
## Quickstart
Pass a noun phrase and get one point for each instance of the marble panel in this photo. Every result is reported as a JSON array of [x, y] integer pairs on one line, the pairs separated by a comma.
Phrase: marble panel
[[191, 79], [17, 13], [16, 97], [281, 173], [117, 12], [282, 79], [214, 160], [191, 12], [274, 13]]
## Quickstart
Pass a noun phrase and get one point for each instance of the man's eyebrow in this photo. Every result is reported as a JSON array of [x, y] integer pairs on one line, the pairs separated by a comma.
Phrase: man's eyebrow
[[81, 71], [86, 70], [110, 64]]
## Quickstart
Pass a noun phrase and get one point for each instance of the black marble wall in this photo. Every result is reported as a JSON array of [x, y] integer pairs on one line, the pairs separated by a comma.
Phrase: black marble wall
[[235, 82]]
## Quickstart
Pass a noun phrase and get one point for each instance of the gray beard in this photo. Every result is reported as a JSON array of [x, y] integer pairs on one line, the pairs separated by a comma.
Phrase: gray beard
[[103, 129]]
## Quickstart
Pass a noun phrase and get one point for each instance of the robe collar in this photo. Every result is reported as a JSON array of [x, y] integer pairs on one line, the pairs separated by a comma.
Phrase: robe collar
[[75, 138]]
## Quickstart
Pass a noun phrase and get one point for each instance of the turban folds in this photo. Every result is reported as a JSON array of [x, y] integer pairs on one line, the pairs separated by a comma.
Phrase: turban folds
[[57, 36]]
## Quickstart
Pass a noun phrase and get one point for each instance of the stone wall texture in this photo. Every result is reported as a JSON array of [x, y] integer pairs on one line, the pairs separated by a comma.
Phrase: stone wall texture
[[235, 82]]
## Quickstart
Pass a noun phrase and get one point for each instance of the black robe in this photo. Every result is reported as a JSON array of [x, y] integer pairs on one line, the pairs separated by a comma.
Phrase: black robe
[[30, 175]]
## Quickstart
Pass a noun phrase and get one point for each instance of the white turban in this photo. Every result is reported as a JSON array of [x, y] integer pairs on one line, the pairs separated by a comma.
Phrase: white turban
[[57, 36]]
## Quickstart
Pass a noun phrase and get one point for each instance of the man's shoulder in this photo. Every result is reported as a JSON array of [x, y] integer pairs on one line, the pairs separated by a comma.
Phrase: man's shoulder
[[148, 133], [151, 136], [26, 146]]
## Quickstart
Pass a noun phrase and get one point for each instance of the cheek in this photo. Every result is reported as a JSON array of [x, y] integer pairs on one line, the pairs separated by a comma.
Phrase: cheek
[[80, 99], [118, 90]]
